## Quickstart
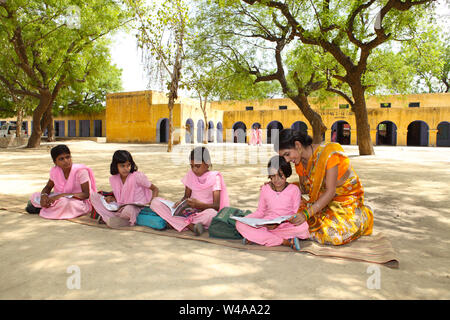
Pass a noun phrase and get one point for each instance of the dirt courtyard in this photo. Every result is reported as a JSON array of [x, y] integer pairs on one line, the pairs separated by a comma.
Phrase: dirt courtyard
[[407, 187]]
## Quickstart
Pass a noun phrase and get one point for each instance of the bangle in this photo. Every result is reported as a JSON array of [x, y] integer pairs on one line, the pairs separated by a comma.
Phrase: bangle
[[306, 213], [44, 194]]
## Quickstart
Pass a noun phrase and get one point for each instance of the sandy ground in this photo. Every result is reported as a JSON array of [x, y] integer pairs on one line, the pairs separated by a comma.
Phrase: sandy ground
[[407, 187]]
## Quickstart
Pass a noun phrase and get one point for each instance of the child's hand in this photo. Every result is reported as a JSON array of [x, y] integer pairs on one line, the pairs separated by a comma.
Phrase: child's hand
[[297, 219], [45, 203], [176, 204], [51, 200], [109, 199], [193, 203], [271, 226]]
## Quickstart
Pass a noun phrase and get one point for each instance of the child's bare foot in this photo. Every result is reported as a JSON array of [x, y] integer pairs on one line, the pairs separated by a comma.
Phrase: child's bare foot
[[198, 229], [294, 243]]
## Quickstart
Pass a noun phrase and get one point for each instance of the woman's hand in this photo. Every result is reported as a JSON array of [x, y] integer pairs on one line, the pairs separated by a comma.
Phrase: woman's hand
[[297, 219], [271, 226]]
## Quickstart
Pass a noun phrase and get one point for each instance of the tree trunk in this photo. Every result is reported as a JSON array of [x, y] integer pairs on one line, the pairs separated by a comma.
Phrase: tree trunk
[[19, 121], [314, 119], [35, 138], [175, 79], [362, 122], [50, 125], [205, 137], [170, 142]]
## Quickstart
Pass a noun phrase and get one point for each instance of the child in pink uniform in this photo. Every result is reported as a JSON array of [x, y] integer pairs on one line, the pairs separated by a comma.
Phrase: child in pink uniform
[[129, 186], [205, 192], [277, 198], [72, 184]]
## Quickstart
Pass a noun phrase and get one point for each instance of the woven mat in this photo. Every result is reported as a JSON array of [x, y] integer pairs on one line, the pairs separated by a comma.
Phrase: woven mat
[[374, 249]]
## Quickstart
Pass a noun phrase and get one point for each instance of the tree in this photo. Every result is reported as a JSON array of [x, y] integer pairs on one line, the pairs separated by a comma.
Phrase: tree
[[162, 30], [428, 55], [48, 45], [254, 41], [89, 95], [349, 31]]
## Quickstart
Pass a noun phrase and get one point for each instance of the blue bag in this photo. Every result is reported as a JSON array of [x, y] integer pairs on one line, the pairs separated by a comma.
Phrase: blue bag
[[147, 217]]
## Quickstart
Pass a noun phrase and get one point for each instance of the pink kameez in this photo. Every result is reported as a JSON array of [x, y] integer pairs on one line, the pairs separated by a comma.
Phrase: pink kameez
[[273, 204], [67, 208], [136, 189], [202, 190]]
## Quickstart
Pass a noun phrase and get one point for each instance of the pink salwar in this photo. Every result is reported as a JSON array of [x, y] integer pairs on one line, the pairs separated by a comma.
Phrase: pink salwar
[[202, 190], [256, 137], [136, 189], [273, 204], [67, 208], [180, 223]]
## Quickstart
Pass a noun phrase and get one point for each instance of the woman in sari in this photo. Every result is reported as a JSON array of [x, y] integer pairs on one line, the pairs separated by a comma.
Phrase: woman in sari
[[335, 210]]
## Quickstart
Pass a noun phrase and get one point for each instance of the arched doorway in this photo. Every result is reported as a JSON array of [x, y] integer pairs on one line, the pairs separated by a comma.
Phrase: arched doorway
[[189, 136], [256, 125], [386, 134], [200, 130], [239, 132], [300, 126], [210, 131], [340, 132], [417, 134], [443, 134], [219, 132], [162, 130], [273, 130]]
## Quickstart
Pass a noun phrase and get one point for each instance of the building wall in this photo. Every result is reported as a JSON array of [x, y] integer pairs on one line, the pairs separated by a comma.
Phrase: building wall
[[191, 111], [426, 100], [434, 109], [134, 116], [137, 116], [91, 117]]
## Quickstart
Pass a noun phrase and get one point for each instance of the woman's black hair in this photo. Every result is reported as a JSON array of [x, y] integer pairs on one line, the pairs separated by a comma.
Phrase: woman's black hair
[[200, 154], [58, 150], [279, 163], [122, 156], [287, 138]]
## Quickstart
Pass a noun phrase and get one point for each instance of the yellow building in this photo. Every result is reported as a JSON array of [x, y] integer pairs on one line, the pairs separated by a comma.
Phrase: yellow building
[[416, 119], [142, 116], [70, 126]]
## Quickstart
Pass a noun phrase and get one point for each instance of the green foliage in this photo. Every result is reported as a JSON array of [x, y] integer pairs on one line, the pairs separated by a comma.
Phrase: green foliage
[[56, 45], [428, 56], [162, 26], [88, 94]]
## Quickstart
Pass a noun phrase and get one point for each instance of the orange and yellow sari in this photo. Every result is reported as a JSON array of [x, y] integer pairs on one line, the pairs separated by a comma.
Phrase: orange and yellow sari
[[346, 217]]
